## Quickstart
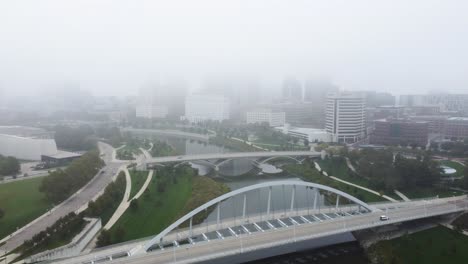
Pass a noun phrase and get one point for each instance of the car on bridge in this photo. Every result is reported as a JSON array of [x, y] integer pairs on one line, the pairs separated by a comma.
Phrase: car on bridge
[[384, 218]]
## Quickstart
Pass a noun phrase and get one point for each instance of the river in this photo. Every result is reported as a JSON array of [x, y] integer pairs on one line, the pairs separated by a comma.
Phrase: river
[[240, 173]]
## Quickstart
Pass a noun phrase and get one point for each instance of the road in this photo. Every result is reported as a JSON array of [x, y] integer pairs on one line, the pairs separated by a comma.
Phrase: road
[[232, 155], [95, 186], [233, 245], [200, 251]]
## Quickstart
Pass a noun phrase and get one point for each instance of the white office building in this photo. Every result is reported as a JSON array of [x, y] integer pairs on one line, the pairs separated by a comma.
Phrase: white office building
[[273, 118], [203, 107], [345, 117]]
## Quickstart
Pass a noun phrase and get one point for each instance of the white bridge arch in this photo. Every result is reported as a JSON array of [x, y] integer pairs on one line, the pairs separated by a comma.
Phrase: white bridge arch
[[158, 238]]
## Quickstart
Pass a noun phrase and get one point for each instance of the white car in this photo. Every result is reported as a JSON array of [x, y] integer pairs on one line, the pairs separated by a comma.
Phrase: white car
[[383, 218]]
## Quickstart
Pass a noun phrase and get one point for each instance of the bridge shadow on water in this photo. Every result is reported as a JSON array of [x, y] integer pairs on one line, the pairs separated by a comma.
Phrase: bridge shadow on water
[[349, 253]]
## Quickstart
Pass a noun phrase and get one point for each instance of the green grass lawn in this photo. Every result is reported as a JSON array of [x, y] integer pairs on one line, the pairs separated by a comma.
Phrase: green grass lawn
[[155, 210], [307, 172], [138, 179], [22, 202], [435, 245], [339, 169], [454, 165]]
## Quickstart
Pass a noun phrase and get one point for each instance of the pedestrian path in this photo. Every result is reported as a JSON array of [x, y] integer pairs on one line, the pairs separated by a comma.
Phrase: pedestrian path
[[145, 185], [317, 166], [402, 196], [124, 204]]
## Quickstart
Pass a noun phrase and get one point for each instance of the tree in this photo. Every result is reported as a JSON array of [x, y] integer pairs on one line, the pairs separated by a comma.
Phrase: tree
[[104, 238], [306, 142]]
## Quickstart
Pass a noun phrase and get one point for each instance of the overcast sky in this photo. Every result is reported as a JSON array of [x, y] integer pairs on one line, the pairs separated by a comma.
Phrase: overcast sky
[[113, 47]]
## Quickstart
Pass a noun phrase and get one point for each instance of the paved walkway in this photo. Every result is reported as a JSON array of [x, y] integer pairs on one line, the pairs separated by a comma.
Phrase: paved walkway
[[350, 166], [124, 204], [355, 185], [402, 196], [145, 185]]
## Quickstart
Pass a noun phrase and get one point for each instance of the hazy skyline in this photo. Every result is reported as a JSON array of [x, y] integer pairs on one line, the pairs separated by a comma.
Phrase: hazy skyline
[[114, 47]]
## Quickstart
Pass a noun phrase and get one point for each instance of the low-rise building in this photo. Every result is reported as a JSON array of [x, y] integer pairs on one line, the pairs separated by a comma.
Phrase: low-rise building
[[273, 118], [304, 133], [400, 132], [456, 128]]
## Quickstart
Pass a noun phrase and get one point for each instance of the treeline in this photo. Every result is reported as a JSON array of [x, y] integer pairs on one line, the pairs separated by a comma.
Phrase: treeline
[[60, 184], [9, 166], [84, 137], [60, 233], [161, 149], [387, 171], [108, 202]]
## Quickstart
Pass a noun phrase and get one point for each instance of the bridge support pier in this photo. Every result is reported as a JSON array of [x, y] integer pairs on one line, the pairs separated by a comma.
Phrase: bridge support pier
[[218, 216], [190, 228], [337, 202], [315, 198], [269, 202], [293, 197], [244, 207]]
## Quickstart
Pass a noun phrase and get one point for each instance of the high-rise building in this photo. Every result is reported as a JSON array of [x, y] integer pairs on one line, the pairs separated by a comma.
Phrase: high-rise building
[[243, 92], [345, 117], [203, 107], [376, 99], [273, 118], [162, 100], [410, 100], [315, 95], [292, 90], [450, 102]]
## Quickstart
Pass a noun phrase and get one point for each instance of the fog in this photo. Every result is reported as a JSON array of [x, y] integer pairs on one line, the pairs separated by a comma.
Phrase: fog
[[114, 47]]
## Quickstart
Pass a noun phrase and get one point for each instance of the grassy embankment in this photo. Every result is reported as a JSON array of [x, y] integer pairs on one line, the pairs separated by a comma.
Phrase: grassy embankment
[[454, 165], [21, 202], [232, 144], [435, 245], [307, 172], [339, 169], [157, 209]]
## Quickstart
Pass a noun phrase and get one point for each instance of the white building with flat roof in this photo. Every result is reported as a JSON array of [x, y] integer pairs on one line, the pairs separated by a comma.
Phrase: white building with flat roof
[[26, 143], [311, 134], [203, 107], [273, 118], [345, 117]]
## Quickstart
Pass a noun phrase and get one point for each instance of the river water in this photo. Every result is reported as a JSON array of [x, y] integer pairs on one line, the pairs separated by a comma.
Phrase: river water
[[240, 173]]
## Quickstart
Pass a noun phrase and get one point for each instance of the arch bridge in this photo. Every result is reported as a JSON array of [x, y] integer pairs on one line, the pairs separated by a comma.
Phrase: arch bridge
[[261, 221]]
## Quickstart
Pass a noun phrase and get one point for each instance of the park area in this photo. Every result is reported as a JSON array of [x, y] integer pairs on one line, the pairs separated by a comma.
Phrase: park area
[[435, 245], [21, 203], [167, 198]]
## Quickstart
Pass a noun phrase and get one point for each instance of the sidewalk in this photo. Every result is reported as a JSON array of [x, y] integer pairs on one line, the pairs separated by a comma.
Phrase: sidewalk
[[402, 196], [124, 204], [317, 166]]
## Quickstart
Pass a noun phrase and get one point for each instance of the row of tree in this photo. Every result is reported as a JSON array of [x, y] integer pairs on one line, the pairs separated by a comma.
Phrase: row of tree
[[9, 166], [108, 202], [60, 232], [60, 184]]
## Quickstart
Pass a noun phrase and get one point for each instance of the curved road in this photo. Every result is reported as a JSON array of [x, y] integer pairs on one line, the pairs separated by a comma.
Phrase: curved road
[[72, 204]]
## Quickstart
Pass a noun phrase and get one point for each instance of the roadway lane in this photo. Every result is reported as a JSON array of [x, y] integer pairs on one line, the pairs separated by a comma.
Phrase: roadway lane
[[232, 155], [96, 185], [233, 245]]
